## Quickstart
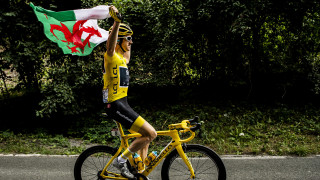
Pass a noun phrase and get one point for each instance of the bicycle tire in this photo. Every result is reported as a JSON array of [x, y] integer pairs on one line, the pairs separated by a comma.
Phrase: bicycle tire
[[206, 164], [91, 162]]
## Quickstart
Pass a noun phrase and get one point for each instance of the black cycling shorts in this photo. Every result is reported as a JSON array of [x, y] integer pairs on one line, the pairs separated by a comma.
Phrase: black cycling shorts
[[120, 111]]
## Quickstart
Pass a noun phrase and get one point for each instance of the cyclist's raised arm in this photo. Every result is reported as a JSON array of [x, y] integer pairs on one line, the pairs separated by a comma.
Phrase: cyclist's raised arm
[[113, 36]]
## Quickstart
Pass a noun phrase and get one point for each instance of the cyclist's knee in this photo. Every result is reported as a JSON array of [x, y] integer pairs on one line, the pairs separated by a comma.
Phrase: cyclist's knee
[[150, 135], [153, 135], [149, 132]]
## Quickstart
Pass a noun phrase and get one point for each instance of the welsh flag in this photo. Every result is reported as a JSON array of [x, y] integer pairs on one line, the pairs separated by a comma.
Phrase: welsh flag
[[76, 31]]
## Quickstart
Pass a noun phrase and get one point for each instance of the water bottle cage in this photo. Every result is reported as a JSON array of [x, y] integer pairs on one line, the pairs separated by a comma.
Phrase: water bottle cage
[[137, 162]]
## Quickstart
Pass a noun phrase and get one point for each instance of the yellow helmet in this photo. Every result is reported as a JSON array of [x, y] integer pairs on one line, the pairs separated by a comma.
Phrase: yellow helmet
[[124, 30]]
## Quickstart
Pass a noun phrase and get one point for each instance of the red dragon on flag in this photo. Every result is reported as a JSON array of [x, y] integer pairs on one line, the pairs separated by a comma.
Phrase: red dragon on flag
[[75, 36]]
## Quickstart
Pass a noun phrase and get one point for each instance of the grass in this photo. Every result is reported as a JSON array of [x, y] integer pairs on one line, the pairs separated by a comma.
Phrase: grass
[[255, 130], [232, 129], [38, 143]]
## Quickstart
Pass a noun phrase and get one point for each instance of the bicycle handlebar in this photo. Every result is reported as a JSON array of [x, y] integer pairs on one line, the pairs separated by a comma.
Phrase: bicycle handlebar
[[194, 121], [186, 123]]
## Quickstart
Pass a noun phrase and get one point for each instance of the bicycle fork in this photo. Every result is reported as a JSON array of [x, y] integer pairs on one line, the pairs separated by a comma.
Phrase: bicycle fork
[[185, 160]]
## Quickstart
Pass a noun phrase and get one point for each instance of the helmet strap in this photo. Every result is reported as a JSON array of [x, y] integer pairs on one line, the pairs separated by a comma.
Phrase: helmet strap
[[120, 44]]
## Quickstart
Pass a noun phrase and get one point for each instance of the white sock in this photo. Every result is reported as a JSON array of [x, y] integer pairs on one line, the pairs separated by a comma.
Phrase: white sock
[[124, 156]]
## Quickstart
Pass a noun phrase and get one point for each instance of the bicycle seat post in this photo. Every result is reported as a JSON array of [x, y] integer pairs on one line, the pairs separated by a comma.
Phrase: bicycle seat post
[[121, 135]]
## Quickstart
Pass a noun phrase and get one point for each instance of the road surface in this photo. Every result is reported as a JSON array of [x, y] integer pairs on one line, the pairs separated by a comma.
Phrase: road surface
[[36, 167]]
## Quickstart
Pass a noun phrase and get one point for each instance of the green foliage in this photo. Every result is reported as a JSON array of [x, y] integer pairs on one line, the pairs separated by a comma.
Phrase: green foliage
[[228, 128], [264, 47], [279, 130], [18, 50], [234, 128], [101, 133], [67, 85]]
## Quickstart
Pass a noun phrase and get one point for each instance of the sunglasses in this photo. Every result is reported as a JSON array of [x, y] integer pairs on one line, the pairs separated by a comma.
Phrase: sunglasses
[[128, 38]]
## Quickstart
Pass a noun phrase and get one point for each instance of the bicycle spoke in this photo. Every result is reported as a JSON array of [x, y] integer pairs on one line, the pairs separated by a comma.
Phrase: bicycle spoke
[[178, 171], [90, 167], [99, 161], [91, 161], [90, 174], [103, 161], [183, 165], [196, 165], [92, 178], [93, 172], [180, 163], [203, 163], [206, 170]]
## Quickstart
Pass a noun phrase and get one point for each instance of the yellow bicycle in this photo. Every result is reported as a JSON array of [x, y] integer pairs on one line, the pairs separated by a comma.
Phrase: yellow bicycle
[[182, 161]]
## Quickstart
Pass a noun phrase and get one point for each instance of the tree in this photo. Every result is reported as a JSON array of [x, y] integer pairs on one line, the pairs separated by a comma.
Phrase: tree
[[264, 47]]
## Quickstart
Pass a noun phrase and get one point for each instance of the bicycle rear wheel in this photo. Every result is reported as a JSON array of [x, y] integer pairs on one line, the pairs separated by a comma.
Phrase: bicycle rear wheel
[[91, 162], [206, 164]]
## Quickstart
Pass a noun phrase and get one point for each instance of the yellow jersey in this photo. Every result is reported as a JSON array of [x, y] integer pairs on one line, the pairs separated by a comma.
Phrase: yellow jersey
[[115, 78]]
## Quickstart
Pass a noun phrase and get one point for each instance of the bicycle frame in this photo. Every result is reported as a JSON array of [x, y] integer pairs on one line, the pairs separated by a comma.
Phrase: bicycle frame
[[176, 143]]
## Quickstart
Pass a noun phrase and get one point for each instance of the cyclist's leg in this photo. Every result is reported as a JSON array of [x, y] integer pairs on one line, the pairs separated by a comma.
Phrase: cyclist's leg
[[121, 111], [144, 152], [142, 143]]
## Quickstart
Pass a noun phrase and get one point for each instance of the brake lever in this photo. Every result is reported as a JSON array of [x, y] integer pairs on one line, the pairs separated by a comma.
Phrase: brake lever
[[194, 120], [196, 127]]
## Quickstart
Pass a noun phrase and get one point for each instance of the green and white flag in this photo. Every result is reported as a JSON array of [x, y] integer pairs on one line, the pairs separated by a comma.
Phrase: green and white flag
[[76, 31]]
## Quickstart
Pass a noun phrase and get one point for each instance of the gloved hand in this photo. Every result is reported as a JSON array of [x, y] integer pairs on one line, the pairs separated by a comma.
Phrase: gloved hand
[[114, 13]]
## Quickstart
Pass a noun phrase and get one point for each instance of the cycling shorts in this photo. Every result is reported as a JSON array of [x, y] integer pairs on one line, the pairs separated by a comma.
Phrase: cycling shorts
[[120, 111]]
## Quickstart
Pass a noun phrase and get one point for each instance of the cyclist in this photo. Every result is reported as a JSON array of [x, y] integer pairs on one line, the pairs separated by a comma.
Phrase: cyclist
[[116, 82]]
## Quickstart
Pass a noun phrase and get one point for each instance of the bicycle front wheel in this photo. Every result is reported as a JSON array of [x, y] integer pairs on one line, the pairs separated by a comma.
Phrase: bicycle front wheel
[[206, 164], [92, 161]]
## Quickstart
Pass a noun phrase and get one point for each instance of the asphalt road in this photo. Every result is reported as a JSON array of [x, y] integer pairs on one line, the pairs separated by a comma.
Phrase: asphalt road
[[238, 168]]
